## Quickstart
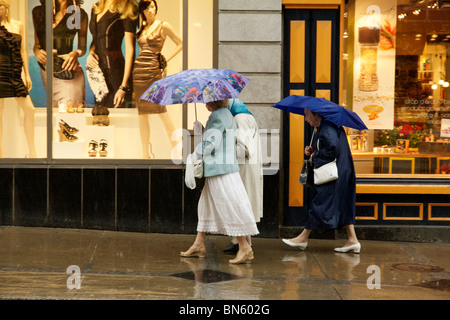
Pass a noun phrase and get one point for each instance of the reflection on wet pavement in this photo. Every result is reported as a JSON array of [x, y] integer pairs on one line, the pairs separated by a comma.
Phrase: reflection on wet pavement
[[34, 264]]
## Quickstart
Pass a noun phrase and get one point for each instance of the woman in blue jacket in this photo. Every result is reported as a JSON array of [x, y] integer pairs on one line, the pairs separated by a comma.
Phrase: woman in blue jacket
[[224, 206]]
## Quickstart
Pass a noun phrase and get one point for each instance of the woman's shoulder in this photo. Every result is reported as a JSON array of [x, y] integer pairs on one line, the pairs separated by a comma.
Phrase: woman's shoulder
[[164, 24], [17, 26], [328, 125], [38, 10], [220, 115], [223, 112], [83, 12]]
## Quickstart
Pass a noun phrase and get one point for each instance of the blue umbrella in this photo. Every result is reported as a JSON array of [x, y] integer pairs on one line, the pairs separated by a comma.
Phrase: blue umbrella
[[331, 111], [196, 85]]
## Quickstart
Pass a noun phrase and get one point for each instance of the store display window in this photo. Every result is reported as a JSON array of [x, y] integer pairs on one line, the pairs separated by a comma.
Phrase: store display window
[[106, 54], [397, 80]]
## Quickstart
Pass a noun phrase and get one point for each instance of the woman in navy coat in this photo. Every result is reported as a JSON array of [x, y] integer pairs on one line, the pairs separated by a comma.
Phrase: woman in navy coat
[[333, 203]]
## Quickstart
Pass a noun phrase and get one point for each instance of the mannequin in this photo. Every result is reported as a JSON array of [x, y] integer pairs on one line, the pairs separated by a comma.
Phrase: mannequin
[[112, 21], [149, 67], [63, 40], [11, 83]]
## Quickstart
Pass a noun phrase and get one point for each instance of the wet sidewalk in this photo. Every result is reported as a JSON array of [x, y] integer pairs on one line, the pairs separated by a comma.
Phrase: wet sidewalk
[[45, 263]]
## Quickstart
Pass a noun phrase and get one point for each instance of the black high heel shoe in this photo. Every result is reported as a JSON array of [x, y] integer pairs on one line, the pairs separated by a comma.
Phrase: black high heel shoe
[[64, 126], [66, 136]]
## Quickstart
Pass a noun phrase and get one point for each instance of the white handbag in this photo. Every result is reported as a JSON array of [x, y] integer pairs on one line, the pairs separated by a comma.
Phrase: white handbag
[[194, 169], [326, 173]]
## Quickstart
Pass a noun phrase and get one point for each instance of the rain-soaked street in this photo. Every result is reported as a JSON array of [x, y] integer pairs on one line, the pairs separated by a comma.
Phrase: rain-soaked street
[[44, 263]]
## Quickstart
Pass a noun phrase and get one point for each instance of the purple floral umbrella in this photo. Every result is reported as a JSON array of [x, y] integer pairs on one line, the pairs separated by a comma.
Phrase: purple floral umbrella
[[196, 86]]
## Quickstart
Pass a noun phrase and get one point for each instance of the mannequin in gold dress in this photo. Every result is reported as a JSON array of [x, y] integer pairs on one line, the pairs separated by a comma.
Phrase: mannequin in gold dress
[[150, 66]]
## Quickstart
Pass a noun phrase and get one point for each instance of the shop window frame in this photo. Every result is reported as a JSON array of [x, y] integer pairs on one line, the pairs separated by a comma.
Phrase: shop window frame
[[50, 161]]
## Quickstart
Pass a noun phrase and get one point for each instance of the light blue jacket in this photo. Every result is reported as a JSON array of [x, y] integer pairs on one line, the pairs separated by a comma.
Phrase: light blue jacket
[[218, 147]]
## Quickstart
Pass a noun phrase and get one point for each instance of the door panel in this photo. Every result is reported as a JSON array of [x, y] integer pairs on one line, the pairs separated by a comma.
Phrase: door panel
[[311, 67]]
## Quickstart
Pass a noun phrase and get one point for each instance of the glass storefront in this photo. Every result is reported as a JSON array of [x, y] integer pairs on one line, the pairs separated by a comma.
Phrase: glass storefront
[[100, 70], [396, 60]]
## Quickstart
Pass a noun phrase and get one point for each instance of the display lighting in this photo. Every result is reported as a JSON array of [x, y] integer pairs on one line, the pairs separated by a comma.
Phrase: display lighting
[[416, 12], [434, 86], [435, 5], [445, 84], [402, 16]]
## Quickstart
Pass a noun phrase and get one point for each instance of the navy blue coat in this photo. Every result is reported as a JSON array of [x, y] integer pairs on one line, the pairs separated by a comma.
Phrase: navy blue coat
[[333, 203]]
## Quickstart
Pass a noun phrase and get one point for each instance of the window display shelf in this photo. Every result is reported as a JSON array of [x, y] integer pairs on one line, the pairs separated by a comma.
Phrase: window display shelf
[[86, 133]]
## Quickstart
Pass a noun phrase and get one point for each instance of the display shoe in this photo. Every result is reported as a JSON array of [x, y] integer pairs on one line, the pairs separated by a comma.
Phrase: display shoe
[[70, 108], [243, 256], [80, 107], [194, 251], [300, 245], [65, 127], [356, 248], [62, 106], [103, 152], [93, 148], [66, 136]]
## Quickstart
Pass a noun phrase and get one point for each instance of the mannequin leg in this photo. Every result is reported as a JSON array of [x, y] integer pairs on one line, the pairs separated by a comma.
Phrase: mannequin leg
[[169, 126], [28, 122], [144, 128], [1, 127], [170, 129]]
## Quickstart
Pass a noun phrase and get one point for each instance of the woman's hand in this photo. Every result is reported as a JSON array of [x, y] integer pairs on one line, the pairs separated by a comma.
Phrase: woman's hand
[[309, 151], [92, 60], [198, 127], [119, 98], [28, 82], [41, 56], [71, 63]]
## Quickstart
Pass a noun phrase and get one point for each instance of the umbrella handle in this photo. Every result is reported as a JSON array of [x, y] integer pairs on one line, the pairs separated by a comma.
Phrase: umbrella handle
[[195, 108]]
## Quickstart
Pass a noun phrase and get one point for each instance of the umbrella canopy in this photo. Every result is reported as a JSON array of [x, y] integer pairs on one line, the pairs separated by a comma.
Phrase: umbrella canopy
[[331, 111], [196, 85]]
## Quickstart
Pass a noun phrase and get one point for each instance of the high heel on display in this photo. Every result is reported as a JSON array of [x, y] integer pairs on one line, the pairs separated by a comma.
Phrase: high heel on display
[[65, 127], [70, 108], [80, 107], [93, 148], [66, 136], [103, 152]]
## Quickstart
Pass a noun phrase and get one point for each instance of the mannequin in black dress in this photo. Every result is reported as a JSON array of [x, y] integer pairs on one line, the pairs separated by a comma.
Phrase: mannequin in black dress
[[63, 40], [111, 22], [12, 49]]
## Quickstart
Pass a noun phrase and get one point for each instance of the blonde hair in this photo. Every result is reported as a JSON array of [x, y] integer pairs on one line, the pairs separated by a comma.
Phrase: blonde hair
[[6, 3], [218, 104], [127, 8]]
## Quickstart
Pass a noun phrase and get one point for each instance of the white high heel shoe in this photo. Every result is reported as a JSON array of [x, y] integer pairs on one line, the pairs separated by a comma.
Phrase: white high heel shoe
[[355, 248], [300, 245]]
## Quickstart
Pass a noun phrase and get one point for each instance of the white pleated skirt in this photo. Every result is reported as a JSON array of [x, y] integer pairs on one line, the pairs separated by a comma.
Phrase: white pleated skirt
[[224, 207]]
